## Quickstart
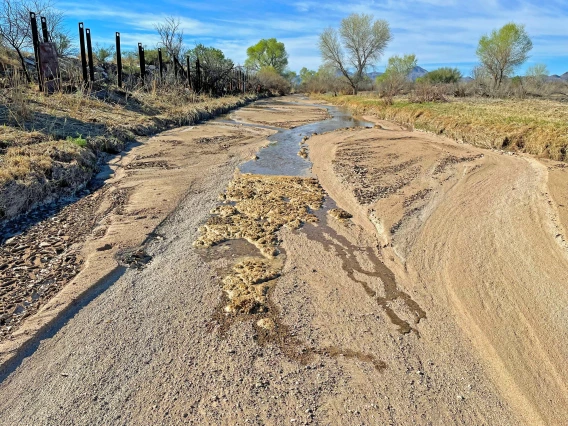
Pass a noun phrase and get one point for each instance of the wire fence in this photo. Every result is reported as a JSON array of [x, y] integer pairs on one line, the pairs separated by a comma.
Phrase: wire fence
[[193, 74]]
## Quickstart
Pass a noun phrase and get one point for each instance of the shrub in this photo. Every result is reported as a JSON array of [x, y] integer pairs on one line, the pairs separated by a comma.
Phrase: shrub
[[270, 81], [425, 92], [443, 75]]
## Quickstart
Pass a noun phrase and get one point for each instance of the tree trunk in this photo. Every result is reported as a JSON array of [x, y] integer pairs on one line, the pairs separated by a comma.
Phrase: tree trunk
[[28, 78]]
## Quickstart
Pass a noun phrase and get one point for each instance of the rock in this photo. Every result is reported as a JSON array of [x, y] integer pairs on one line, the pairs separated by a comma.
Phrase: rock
[[44, 244], [340, 214], [266, 323], [10, 241]]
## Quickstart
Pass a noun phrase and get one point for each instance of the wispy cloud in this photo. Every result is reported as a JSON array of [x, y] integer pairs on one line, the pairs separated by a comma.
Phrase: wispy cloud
[[439, 32]]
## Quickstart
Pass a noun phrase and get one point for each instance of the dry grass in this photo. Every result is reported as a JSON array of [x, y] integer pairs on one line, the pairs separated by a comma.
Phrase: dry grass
[[39, 133], [537, 127]]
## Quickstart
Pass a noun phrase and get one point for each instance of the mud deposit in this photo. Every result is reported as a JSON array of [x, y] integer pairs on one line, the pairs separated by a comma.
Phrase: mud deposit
[[255, 208]]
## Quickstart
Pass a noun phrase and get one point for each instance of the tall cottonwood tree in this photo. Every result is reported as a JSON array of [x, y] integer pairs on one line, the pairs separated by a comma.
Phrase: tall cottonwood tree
[[504, 50], [267, 53], [358, 44]]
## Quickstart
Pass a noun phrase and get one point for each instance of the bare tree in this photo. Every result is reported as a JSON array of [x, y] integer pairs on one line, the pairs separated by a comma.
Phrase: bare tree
[[58, 34], [15, 28], [358, 45], [171, 36], [14, 32]]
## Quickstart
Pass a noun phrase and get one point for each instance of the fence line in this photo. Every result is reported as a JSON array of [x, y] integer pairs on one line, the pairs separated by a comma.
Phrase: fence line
[[233, 80]]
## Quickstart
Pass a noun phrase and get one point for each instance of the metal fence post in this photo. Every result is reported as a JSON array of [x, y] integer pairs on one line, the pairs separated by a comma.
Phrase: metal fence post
[[44, 30], [142, 62], [118, 61], [90, 55], [35, 40], [197, 76], [188, 72], [160, 61], [83, 54]]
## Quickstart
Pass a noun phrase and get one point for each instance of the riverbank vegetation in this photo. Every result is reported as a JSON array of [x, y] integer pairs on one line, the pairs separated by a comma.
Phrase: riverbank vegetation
[[534, 126]]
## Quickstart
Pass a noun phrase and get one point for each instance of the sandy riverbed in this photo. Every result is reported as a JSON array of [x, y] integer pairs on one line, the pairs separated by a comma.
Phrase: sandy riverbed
[[440, 301]]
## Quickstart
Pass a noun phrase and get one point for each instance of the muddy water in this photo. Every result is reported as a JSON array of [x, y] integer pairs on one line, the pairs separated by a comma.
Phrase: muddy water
[[281, 156]]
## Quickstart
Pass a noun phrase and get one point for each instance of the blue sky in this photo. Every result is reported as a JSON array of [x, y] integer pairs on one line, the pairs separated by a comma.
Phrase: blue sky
[[439, 32]]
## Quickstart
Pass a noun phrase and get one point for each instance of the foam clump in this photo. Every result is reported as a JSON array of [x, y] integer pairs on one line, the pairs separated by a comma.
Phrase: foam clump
[[257, 206]]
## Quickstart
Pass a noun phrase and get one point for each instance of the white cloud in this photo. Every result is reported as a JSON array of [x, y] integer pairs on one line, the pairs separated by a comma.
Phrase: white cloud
[[437, 31]]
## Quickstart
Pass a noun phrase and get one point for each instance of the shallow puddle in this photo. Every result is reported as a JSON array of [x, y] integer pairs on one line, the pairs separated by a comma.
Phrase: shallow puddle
[[280, 157]]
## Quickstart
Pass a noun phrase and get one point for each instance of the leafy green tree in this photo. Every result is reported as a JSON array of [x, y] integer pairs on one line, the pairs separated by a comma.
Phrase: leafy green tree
[[306, 75], [63, 44], [442, 75], [536, 75], [396, 75], [502, 51], [267, 53], [359, 44], [537, 71], [291, 76]]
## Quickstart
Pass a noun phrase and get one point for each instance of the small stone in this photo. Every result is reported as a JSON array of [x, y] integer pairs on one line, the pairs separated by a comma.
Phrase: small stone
[[10, 241], [266, 323], [44, 244]]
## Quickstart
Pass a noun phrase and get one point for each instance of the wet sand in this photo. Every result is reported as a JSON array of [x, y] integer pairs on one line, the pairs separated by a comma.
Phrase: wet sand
[[477, 237]]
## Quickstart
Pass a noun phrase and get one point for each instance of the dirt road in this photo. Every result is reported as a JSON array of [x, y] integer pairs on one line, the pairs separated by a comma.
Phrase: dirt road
[[441, 300]]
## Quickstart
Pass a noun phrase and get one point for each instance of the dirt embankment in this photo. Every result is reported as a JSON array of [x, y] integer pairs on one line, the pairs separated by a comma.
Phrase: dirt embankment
[[533, 126], [52, 145], [477, 237]]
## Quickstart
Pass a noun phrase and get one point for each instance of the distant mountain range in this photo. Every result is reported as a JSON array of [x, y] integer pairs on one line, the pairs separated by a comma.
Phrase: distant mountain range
[[555, 77], [418, 72]]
